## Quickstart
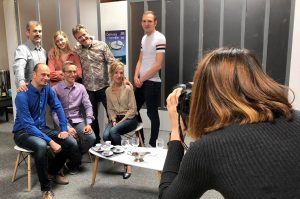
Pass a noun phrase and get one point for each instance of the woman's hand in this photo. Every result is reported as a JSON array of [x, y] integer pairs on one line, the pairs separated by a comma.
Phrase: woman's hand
[[172, 102]]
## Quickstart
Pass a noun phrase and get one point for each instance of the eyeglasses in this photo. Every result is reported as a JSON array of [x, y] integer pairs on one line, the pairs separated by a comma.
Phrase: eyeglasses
[[69, 72]]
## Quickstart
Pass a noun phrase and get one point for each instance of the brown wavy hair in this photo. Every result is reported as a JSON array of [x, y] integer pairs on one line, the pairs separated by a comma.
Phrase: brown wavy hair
[[231, 87], [57, 51]]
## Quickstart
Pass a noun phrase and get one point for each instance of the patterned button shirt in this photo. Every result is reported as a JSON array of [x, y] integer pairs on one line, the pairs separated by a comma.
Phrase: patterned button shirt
[[94, 61]]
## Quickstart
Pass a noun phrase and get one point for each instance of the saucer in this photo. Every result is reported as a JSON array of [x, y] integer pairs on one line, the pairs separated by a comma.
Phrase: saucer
[[97, 149], [108, 155], [114, 150]]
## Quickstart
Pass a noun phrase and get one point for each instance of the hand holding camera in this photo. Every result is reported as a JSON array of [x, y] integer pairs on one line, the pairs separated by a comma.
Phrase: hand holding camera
[[172, 102], [178, 104]]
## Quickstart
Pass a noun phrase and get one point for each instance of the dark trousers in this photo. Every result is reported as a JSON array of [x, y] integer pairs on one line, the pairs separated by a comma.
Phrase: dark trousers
[[95, 98], [40, 153], [149, 93]]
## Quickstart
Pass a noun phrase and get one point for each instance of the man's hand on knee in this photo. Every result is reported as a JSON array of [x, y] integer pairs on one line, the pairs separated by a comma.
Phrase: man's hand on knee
[[56, 148], [63, 135], [72, 132], [87, 129]]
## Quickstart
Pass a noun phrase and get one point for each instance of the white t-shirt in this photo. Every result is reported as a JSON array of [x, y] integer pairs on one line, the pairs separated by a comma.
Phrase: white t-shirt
[[150, 45]]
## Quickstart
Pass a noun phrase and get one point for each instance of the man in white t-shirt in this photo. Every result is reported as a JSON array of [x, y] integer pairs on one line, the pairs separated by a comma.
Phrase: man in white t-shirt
[[146, 76]]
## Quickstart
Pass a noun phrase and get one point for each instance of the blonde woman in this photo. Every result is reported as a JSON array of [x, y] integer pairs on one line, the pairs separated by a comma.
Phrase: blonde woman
[[58, 55], [121, 107]]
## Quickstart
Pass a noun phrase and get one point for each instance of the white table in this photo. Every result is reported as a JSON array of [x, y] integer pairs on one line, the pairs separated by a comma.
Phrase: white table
[[155, 160]]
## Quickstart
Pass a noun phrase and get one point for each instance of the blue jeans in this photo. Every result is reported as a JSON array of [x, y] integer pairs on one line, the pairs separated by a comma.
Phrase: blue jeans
[[150, 93], [85, 141], [95, 98], [113, 134], [40, 153]]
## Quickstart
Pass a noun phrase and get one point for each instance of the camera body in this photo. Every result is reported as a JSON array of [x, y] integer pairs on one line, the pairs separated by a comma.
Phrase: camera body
[[184, 100]]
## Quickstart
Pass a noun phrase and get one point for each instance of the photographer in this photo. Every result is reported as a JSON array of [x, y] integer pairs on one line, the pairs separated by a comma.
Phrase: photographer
[[246, 133]]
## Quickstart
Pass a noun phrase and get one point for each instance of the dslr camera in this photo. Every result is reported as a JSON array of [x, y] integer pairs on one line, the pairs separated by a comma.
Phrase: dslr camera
[[183, 107]]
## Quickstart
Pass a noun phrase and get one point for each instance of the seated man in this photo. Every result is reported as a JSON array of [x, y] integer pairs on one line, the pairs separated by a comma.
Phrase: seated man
[[30, 130], [73, 96]]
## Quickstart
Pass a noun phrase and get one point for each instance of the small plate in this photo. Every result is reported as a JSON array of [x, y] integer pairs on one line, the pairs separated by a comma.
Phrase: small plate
[[114, 150], [97, 149], [108, 155]]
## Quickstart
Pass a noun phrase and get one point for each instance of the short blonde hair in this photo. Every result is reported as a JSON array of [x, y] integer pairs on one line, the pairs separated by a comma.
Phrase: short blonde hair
[[115, 65]]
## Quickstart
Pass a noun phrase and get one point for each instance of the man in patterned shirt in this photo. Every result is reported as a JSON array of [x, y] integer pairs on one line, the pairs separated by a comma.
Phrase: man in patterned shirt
[[94, 56]]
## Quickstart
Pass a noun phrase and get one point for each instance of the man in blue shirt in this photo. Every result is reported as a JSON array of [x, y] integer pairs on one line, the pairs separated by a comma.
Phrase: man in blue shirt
[[30, 130]]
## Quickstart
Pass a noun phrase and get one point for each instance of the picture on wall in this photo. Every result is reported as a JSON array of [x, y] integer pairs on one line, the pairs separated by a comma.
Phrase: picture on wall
[[116, 40]]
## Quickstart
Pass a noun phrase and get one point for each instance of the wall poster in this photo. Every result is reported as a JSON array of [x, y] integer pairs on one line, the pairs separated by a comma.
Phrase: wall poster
[[116, 40]]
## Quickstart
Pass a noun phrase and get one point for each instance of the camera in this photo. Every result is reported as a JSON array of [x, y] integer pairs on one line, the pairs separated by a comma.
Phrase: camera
[[183, 107]]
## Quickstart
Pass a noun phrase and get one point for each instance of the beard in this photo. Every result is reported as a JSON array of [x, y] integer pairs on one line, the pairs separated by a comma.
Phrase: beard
[[37, 41]]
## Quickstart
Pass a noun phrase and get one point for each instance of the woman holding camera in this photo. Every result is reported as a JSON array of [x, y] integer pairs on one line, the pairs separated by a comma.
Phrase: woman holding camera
[[246, 133], [121, 108]]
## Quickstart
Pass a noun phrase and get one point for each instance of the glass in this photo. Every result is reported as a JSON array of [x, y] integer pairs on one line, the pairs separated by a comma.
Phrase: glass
[[135, 142], [124, 143], [69, 72], [160, 143]]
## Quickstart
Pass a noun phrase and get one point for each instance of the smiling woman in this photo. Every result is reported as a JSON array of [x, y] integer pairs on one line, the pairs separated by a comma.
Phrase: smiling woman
[[58, 55]]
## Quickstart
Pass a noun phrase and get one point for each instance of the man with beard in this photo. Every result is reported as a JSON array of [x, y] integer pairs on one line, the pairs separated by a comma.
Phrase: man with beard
[[27, 55], [95, 56]]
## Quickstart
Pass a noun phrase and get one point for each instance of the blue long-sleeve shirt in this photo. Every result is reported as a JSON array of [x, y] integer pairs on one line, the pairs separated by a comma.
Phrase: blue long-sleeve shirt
[[31, 111]]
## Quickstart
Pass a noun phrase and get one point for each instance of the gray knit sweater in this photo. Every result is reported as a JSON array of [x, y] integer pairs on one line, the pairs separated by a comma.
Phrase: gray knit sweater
[[240, 161]]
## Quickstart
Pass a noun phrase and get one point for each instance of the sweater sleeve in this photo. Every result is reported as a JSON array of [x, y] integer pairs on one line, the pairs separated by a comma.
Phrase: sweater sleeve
[[183, 176]]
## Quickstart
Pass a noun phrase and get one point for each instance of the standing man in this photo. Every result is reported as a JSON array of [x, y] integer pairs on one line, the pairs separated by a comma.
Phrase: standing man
[[30, 130], [72, 96], [94, 56], [146, 76], [27, 55]]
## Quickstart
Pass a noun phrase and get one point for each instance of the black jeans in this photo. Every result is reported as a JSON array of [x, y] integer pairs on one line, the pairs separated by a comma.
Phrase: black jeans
[[40, 153], [95, 98], [150, 93]]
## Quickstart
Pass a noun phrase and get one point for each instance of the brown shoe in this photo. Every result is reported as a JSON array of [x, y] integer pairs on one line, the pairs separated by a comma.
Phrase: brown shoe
[[58, 179], [48, 195]]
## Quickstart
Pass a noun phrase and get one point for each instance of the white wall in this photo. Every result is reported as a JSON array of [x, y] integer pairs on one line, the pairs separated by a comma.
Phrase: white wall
[[3, 53], [11, 39], [114, 17], [295, 58]]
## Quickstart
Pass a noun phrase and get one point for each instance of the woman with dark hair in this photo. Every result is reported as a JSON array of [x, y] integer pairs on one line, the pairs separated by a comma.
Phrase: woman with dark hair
[[58, 55], [246, 133]]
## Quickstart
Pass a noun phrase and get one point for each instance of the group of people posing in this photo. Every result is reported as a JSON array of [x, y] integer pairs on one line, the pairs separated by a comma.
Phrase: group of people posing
[[72, 82], [245, 129]]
